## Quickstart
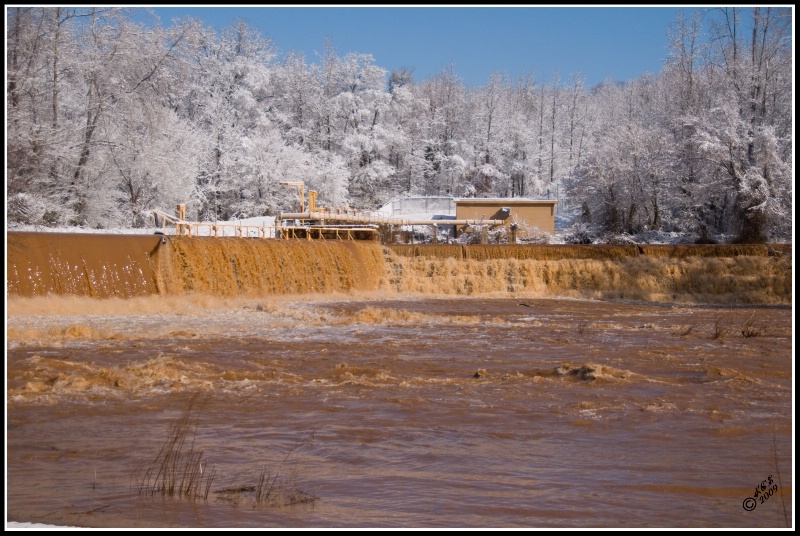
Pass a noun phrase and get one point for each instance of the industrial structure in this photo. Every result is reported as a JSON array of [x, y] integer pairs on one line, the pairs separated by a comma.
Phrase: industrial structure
[[405, 220], [526, 217]]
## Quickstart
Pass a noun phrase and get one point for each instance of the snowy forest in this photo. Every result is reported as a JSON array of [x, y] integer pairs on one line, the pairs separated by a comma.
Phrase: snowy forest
[[108, 119]]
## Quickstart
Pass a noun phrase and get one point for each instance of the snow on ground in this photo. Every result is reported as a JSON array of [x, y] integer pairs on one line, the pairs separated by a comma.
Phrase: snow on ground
[[250, 226], [10, 525]]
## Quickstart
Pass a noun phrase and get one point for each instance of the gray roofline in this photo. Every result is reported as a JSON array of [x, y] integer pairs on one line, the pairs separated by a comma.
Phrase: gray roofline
[[506, 200]]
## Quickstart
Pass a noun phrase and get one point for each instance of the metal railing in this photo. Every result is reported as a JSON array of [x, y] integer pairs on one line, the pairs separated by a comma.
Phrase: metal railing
[[235, 230]]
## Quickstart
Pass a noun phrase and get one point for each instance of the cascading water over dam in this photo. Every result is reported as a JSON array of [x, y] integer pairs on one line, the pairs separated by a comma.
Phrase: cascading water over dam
[[125, 266]]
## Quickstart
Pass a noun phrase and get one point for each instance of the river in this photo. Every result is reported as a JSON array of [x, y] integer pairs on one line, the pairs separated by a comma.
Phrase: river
[[377, 402]]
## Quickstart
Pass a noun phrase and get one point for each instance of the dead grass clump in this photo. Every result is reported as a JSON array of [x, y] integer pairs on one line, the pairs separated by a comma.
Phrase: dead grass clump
[[280, 488], [720, 328], [751, 329], [180, 470]]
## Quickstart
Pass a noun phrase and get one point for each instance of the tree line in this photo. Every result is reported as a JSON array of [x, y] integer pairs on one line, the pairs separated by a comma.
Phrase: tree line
[[108, 119]]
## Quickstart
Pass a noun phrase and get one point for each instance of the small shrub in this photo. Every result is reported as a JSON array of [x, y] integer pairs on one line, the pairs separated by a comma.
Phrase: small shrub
[[720, 328], [51, 218], [579, 233], [750, 329]]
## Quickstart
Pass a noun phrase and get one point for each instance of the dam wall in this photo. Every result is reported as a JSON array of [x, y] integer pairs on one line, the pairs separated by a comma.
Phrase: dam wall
[[126, 266], [725, 274], [542, 252]]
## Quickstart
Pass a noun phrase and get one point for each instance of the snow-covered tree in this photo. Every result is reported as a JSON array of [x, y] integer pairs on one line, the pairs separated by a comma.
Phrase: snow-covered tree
[[108, 119], [742, 136]]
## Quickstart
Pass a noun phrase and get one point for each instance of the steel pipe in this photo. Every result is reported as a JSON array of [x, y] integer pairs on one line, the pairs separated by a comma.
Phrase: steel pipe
[[324, 216]]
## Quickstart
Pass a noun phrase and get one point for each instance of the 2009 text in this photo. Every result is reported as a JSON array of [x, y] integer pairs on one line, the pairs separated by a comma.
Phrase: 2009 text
[[763, 491]]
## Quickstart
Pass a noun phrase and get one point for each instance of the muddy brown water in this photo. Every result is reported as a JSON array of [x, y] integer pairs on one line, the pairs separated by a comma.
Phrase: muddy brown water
[[377, 388]]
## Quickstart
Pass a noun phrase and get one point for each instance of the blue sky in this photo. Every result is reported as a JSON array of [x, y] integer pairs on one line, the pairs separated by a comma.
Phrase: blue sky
[[621, 43]]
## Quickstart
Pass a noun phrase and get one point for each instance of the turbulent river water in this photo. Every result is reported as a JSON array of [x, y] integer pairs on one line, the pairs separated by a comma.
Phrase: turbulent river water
[[260, 384]]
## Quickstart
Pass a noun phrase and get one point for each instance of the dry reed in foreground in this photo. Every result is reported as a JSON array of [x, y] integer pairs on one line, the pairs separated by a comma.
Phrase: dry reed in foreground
[[180, 470], [780, 480], [268, 489]]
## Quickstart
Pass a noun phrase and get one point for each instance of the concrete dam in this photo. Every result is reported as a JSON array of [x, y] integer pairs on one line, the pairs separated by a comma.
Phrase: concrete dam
[[127, 266]]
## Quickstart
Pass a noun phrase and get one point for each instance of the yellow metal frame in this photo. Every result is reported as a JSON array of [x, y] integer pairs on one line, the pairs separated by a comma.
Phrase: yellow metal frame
[[301, 188]]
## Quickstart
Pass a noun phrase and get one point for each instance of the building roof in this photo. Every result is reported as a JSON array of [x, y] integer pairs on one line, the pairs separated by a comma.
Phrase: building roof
[[505, 200]]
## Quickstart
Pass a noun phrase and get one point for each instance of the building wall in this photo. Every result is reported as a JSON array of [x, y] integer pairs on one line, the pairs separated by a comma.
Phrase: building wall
[[418, 207], [529, 214]]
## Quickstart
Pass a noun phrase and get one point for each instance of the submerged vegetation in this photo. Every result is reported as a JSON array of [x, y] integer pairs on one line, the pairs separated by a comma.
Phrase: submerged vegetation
[[181, 470]]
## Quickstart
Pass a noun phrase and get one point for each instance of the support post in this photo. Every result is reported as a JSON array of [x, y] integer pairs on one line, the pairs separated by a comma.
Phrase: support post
[[181, 218]]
